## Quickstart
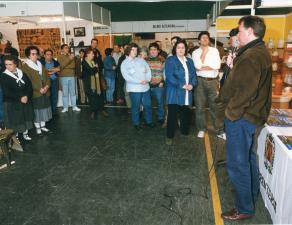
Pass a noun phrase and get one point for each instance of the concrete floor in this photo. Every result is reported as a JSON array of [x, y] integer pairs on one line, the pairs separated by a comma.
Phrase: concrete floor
[[103, 172]]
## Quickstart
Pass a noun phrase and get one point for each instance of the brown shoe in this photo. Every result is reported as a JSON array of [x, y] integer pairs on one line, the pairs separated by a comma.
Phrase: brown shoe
[[234, 215]]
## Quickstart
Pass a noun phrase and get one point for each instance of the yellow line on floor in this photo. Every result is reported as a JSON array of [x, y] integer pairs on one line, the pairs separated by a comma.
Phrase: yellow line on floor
[[213, 184]]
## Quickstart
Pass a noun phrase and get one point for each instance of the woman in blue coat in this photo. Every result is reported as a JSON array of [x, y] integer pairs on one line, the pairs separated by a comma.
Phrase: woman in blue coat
[[180, 79]]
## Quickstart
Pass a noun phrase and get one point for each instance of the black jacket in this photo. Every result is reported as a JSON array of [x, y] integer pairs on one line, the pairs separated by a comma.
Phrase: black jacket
[[12, 91]]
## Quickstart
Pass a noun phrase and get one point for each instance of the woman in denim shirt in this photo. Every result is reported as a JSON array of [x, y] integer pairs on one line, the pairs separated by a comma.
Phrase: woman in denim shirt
[[137, 74], [180, 79]]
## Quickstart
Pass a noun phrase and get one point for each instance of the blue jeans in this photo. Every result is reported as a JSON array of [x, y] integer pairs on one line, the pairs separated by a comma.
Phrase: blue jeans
[[242, 164], [54, 95], [138, 98], [1, 106], [68, 87], [158, 93], [110, 82]]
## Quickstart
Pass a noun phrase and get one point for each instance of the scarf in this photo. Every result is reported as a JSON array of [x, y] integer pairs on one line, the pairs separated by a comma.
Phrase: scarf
[[94, 80], [38, 67], [19, 76]]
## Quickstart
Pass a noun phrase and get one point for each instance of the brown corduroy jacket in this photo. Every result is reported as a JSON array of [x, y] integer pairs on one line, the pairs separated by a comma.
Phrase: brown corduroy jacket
[[37, 82], [247, 91]]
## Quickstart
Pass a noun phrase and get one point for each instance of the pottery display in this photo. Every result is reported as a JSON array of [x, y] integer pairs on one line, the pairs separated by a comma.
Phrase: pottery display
[[278, 85]]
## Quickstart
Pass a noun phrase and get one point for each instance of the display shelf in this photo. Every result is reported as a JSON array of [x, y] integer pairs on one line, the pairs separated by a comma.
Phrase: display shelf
[[44, 38]]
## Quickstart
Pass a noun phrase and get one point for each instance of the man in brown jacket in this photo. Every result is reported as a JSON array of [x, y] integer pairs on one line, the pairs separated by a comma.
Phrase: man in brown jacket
[[244, 103], [67, 78]]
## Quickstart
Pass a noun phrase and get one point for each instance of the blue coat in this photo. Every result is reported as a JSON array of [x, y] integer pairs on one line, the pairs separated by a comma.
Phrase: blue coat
[[175, 80], [108, 64]]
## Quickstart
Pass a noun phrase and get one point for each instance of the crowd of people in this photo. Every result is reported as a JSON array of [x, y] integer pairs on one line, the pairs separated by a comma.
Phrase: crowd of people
[[129, 75]]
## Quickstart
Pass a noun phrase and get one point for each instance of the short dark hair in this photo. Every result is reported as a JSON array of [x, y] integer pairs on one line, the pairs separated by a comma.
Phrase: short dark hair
[[153, 45], [12, 58], [256, 23], [233, 32], [81, 50], [180, 41], [29, 48], [175, 37], [48, 50], [88, 50], [94, 39], [108, 51], [129, 48], [63, 46], [203, 33]]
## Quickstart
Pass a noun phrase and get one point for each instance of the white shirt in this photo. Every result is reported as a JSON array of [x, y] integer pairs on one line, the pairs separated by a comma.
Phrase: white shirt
[[116, 57], [212, 60], [184, 63]]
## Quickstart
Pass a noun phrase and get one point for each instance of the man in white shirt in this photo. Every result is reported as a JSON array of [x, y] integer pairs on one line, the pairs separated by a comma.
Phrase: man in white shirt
[[207, 63]]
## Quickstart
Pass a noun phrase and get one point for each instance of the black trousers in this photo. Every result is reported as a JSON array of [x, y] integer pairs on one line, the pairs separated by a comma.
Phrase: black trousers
[[175, 111]]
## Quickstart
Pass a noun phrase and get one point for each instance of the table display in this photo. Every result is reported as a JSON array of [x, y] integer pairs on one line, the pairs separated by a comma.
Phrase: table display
[[275, 162]]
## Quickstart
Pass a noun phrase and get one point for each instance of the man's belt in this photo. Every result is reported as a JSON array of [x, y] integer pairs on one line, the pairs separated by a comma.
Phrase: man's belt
[[207, 78]]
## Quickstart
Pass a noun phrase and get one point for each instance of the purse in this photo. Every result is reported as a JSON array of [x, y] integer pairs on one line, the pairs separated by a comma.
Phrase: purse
[[103, 84]]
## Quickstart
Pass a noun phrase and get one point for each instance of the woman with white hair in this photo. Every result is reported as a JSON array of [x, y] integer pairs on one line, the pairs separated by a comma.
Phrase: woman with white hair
[[41, 88]]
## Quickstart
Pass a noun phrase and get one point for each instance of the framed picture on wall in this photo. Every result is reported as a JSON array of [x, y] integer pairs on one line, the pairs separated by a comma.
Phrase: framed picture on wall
[[79, 32]]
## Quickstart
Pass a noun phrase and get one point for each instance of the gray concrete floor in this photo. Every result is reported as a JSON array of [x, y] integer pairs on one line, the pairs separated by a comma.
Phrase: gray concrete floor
[[103, 172]]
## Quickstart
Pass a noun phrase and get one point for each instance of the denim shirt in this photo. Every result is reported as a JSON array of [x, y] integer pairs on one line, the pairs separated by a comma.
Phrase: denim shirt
[[134, 71], [108, 70]]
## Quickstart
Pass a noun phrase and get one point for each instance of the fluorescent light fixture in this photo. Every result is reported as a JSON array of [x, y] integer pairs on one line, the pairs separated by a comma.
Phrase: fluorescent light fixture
[[54, 19], [239, 7]]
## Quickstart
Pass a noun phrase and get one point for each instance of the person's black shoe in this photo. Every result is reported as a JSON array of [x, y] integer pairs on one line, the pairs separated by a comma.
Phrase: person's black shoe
[[160, 122], [150, 125], [137, 127]]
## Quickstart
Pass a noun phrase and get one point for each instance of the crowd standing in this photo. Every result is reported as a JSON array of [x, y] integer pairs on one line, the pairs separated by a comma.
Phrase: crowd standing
[[134, 76]]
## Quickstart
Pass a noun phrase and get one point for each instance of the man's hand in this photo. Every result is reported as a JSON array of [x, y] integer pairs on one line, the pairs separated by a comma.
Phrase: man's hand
[[144, 82], [229, 60], [206, 68]]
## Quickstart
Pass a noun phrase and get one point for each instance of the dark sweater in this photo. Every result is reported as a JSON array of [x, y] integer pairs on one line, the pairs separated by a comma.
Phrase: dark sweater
[[12, 91]]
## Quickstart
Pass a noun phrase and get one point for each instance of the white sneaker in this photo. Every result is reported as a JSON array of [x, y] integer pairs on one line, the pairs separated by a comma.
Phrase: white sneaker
[[64, 110], [38, 131], [222, 135], [201, 134], [45, 129], [26, 137], [76, 109]]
